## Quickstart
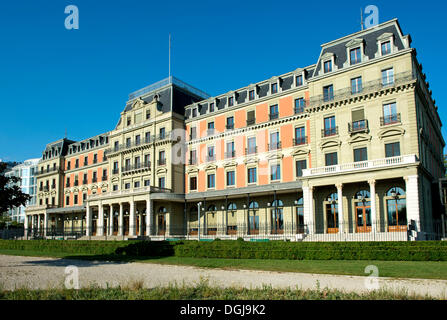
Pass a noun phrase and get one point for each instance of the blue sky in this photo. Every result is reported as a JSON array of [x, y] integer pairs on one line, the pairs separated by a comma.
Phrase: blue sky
[[53, 79]]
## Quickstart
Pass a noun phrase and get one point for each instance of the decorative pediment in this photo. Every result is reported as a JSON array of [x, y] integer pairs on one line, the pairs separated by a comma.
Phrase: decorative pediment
[[360, 138], [385, 36], [274, 156], [84, 188], [75, 190], [354, 42], [327, 55], [115, 179], [161, 170], [330, 143], [389, 132], [104, 185], [210, 167], [251, 160], [192, 170], [67, 191], [94, 187], [301, 151], [138, 103], [230, 164]]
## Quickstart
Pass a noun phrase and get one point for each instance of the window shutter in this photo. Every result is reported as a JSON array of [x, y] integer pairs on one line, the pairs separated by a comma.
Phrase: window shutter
[[251, 115], [358, 115]]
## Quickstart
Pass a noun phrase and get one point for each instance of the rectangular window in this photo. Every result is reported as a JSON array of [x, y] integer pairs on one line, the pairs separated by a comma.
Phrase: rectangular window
[[211, 180], [211, 153], [274, 141], [274, 88], [251, 117], [127, 164], [85, 160], [230, 178], [137, 140], [115, 187], [355, 55], [230, 123], [68, 165], [388, 77], [148, 114], [137, 162], [251, 145], [193, 133], [192, 157], [299, 105], [162, 133], [116, 146], [300, 165], [230, 150], [360, 154], [77, 163], [212, 107], [210, 128], [299, 80], [252, 175], [127, 186], [115, 167], [161, 158], [193, 183], [327, 66], [331, 159], [128, 142], [358, 120], [300, 136], [386, 48], [75, 199], [390, 115], [329, 126], [67, 200], [147, 183], [392, 149], [230, 101], [194, 112], [274, 113], [328, 93], [275, 172], [84, 197], [104, 174], [136, 184], [147, 160], [95, 178], [147, 137], [251, 95], [356, 85]]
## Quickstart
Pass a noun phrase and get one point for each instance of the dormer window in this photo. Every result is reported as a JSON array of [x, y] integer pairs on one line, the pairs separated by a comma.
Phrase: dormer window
[[274, 88], [128, 121], [327, 66], [299, 80], [355, 55], [231, 101], [212, 107], [386, 48], [251, 95], [194, 112]]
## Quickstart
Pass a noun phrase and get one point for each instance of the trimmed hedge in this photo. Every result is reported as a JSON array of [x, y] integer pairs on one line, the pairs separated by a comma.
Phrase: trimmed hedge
[[404, 251], [386, 251]]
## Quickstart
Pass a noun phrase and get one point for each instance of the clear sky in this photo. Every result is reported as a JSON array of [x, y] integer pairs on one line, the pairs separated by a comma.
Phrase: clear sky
[[53, 79]]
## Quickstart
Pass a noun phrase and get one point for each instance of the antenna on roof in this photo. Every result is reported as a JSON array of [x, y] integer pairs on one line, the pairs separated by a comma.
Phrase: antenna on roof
[[361, 18], [169, 55]]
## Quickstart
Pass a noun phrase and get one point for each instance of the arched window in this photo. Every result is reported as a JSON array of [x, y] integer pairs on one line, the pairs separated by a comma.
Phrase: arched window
[[332, 213], [362, 194], [300, 202], [212, 207], [363, 211], [232, 206], [277, 203], [162, 210], [397, 209], [332, 197], [253, 205], [300, 215]]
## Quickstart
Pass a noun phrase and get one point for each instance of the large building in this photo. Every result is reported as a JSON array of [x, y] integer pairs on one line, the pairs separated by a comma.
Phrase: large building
[[26, 171], [349, 148]]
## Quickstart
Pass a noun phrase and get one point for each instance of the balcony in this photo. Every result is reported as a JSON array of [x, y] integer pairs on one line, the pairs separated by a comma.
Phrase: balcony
[[48, 170], [299, 141], [273, 116], [251, 122], [210, 132], [390, 119], [104, 178], [95, 161], [229, 126], [299, 109], [367, 87], [329, 132], [135, 167], [84, 181], [94, 179], [362, 165], [85, 163], [211, 158], [115, 171], [140, 144], [53, 186], [251, 150], [67, 185], [230, 154], [274, 146], [76, 183], [161, 162], [358, 126], [192, 161]]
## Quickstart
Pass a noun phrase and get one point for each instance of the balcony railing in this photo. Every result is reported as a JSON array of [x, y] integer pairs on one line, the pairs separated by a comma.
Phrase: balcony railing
[[251, 150], [48, 170], [136, 166], [274, 146], [390, 119], [161, 162], [104, 178], [230, 154], [251, 122], [367, 87], [273, 116], [299, 141], [358, 126], [76, 183], [211, 158], [192, 161], [329, 132], [299, 109], [115, 171], [139, 143], [84, 182], [94, 179], [361, 165], [229, 126], [210, 132]]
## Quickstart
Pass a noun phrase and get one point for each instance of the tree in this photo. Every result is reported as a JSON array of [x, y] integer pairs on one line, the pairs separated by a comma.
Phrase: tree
[[11, 196]]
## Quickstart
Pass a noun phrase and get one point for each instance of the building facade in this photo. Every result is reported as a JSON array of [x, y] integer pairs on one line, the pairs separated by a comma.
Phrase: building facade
[[349, 148], [26, 171]]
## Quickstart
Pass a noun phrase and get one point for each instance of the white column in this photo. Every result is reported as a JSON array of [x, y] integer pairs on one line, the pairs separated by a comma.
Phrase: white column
[[120, 222], [149, 216], [308, 209], [340, 207], [26, 225], [88, 220], [412, 196], [111, 217], [372, 191], [45, 224], [132, 218], [100, 224], [38, 223]]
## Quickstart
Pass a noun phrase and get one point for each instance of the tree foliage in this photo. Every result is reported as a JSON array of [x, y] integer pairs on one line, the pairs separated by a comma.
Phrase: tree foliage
[[11, 196]]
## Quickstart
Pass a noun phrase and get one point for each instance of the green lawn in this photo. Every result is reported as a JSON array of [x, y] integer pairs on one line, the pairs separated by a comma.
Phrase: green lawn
[[396, 269]]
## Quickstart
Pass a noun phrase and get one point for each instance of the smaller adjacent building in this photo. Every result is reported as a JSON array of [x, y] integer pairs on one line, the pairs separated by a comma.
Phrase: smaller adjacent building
[[26, 171]]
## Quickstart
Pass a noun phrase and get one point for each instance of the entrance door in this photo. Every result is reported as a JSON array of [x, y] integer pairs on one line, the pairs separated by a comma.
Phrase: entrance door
[[137, 227], [332, 217], [161, 224], [363, 217], [277, 221], [126, 225], [253, 223], [94, 225], [115, 226]]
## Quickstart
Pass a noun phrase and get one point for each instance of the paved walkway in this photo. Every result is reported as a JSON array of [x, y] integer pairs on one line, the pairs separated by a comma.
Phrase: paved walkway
[[40, 273]]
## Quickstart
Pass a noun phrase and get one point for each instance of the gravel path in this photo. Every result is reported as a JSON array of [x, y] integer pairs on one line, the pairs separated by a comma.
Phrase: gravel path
[[41, 273]]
